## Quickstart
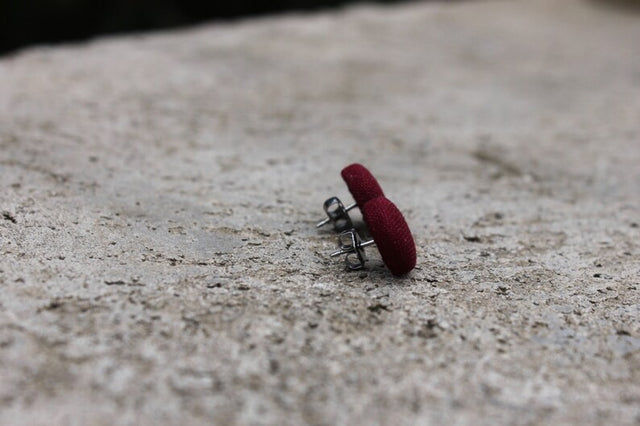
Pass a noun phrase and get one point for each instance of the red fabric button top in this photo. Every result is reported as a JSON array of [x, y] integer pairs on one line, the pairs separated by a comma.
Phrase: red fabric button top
[[391, 234], [361, 183]]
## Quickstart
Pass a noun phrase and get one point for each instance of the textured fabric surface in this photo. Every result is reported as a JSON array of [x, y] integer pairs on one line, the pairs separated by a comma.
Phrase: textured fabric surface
[[361, 183], [391, 234]]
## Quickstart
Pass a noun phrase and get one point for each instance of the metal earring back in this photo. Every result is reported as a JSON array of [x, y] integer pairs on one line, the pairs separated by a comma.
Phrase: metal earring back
[[337, 214], [354, 247]]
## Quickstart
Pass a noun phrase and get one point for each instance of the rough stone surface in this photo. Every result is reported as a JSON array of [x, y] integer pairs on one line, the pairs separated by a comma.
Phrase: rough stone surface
[[159, 261]]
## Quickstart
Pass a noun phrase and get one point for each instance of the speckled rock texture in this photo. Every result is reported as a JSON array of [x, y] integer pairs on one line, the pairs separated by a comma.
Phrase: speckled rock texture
[[159, 262]]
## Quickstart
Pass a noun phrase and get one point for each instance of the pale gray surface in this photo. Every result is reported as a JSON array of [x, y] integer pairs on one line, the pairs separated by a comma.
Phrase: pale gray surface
[[159, 262]]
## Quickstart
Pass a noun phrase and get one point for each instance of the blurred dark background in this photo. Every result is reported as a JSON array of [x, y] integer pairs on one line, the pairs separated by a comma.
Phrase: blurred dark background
[[27, 22]]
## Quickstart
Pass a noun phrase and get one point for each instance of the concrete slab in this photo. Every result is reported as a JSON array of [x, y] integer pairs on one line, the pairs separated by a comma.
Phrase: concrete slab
[[159, 262]]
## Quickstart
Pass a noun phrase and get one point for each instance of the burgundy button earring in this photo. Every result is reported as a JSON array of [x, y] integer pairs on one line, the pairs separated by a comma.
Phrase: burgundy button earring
[[363, 187], [388, 228]]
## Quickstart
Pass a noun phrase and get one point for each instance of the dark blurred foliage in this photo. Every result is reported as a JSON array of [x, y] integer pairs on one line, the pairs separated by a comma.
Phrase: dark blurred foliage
[[24, 22], [624, 6]]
